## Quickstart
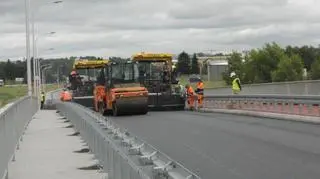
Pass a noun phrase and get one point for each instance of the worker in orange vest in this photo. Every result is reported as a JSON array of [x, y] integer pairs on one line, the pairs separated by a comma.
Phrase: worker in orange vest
[[62, 94], [200, 93], [65, 95], [190, 96]]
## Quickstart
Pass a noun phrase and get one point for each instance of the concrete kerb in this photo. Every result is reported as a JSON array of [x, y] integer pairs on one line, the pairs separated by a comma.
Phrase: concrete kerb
[[295, 118]]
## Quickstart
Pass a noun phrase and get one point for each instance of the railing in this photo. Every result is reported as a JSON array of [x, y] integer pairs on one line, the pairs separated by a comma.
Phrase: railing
[[307, 105], [52, 97], [13, 122], [121, 155], [310, 87]]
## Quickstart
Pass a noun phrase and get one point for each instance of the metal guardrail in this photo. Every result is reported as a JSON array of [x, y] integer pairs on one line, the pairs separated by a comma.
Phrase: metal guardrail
[[305, 105], [52, 97], [13, 122], [309, 87], [121, 154]]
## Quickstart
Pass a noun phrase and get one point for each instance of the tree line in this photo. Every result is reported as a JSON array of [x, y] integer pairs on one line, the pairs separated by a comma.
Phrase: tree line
[[271, 63], [187, 65], [59, 67]]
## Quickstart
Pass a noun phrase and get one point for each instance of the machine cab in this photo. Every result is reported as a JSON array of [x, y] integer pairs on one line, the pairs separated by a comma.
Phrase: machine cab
[[121, 75], [119, 89]]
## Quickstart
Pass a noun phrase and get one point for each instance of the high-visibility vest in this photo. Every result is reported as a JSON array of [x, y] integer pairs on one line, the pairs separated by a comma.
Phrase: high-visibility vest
[[67, 96], [190, 91], [235, 85], [61, 95], [200, 88], [43, 97]]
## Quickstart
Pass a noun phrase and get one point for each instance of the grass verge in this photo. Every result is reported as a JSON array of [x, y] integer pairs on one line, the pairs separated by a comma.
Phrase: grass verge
[[11, 93]]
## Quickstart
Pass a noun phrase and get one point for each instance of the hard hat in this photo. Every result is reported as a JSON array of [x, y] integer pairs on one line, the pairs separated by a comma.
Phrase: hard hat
[[232, 74]]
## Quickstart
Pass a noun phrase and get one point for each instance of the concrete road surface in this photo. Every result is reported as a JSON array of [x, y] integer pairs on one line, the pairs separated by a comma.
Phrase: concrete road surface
[[232, 147], [48, 152]]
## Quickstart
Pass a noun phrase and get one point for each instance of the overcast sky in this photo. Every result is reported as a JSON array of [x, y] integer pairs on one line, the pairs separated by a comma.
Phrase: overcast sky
[[123, 27]]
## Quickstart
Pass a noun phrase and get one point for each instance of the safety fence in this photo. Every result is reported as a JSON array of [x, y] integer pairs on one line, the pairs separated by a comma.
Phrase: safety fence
[[308, 87], [52, 97], [121, 154], [306, 105], [13, 122]]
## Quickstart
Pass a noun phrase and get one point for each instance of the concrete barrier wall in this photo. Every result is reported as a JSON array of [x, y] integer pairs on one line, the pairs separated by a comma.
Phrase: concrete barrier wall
[[285, 88], [13, 122]]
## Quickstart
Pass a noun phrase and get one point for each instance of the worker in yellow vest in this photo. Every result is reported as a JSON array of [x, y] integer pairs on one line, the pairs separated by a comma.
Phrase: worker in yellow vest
[[42, 99], [236, 84]]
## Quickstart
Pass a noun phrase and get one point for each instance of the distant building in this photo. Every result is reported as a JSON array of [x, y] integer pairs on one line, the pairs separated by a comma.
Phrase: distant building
[[215, 65], [216, 68]]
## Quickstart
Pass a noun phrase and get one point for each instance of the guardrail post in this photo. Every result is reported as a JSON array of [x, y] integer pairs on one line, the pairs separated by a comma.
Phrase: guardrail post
[[291, 107], [288, 89], [300, 109], [261, 105]]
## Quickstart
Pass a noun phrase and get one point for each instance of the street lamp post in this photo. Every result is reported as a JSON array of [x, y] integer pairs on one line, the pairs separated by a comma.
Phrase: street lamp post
[[41, 72], [36, 65], [44, 77], [27, 14], [33, 54], [37, 60]]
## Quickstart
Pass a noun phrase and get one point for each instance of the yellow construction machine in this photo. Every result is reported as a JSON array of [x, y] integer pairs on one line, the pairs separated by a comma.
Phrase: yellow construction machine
[[118, 90], [157, 74], [84, 81]]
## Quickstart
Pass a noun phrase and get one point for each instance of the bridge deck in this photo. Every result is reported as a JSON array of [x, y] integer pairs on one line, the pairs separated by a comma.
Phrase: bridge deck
[[47, 151], [230, 146]]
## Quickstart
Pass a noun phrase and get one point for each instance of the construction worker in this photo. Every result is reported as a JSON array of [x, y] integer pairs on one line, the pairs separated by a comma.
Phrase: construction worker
[[42, 99], [200, 92], [65, 95], [73, 79], [61, 94], [190, 96], [236, 84], [174, 75]]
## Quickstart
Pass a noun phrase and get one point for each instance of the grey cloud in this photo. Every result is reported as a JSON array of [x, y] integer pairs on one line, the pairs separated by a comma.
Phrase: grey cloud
[[123, 27]]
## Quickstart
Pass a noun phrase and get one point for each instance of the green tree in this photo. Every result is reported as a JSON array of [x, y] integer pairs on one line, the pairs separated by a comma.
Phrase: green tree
[[262, 62], [183, 65], [235, 64], [309, 54], [289, 69], [315, 69], [9, 70], [194, 65]]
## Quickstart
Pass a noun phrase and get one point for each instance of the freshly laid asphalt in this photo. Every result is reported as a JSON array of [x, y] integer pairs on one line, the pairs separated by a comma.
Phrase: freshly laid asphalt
[[232, 147]]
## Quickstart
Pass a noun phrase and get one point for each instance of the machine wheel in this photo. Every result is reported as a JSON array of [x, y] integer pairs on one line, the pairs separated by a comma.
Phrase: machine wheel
[[115, 110], [145, 111], [180, 108], [108, 112], [101, 109]]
